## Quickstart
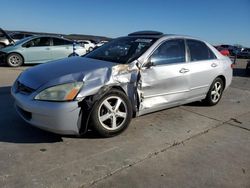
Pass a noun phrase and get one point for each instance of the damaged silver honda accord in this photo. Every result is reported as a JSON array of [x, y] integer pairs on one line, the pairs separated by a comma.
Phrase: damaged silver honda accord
[[130, 76]]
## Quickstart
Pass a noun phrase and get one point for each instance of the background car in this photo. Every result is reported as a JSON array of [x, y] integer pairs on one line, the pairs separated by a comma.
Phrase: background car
[[99, 44], [130, 76], [88, 45], [245, 53], [222, 50], [248, 68], [39, 49], [11, 38]]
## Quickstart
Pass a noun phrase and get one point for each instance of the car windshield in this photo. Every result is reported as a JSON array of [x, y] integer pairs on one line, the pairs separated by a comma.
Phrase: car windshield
[[23, 40], [122, 50]]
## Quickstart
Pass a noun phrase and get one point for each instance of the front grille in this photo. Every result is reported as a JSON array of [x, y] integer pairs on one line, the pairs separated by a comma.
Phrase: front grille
[[23, 88], [26, 115]]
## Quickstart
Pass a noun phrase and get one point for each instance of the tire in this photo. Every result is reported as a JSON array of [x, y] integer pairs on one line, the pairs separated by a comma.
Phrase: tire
[[90, 49], [14, 60], [215, 92], [111, 114]]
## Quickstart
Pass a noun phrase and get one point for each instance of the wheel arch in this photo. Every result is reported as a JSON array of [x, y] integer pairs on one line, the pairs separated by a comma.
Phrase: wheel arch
[[88, 102], [223, 79], [14, 52]]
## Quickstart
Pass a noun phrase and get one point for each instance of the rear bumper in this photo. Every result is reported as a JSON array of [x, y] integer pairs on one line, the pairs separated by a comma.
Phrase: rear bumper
[[57, 117]]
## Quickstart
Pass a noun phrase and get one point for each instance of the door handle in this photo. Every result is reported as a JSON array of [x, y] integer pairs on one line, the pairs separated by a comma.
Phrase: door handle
[[47, 48], [214, 65], [183, 70]]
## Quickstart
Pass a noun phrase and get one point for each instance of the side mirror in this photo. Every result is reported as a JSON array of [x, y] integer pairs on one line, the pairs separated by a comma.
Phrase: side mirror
[[149, 64]]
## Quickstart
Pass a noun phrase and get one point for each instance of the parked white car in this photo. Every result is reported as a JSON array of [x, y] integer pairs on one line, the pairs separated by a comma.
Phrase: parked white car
[[88, 45], [101, 43]]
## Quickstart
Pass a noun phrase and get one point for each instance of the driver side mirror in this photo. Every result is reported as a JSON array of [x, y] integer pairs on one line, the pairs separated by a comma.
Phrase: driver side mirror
[[149, 64]]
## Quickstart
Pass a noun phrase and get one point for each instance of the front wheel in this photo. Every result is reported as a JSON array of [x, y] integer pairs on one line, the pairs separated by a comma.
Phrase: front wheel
[[215, 92], [14, 60], [112, 114]]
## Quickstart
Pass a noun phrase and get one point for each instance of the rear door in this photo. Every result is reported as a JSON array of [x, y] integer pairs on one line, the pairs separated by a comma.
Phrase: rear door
[[166, 82], [61, 48], [204, 67]]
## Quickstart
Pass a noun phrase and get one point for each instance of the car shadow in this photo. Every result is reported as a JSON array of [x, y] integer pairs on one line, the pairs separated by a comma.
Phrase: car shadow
[[14, 130], [2, 64], [197, 104]]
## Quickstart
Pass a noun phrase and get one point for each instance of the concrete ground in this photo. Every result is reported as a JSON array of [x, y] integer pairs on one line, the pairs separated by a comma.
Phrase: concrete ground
[[187, 146]]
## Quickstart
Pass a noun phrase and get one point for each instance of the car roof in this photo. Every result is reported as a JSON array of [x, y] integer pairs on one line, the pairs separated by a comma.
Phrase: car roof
[[158, 35]]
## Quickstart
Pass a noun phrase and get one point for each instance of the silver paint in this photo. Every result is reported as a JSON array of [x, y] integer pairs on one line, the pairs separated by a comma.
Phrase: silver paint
[[149, 89]]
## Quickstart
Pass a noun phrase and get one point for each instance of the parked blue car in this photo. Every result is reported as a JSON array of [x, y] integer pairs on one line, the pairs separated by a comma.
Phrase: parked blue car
[[39, 49]]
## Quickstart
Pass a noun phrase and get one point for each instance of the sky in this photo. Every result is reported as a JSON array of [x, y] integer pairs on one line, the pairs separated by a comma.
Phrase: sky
[[216, 21]]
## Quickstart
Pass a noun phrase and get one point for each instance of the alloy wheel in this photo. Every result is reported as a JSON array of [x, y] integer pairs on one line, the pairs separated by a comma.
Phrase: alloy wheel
[[216, 92], [112, 113]]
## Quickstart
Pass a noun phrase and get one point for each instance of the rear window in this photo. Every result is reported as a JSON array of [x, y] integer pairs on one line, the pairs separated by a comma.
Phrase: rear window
[[59, 42], [199, 51]]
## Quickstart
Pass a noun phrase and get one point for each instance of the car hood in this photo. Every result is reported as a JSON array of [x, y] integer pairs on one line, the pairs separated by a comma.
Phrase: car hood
[[8, 48], [6, 35], [64, 71]]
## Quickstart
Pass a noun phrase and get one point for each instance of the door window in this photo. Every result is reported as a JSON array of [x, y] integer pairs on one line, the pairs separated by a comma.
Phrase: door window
[[38, 42], [171, 51], [59, 42], [199, 51]]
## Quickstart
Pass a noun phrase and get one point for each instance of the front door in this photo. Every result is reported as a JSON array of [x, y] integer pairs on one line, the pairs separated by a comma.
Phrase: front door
[[37, 50], [166, 82]]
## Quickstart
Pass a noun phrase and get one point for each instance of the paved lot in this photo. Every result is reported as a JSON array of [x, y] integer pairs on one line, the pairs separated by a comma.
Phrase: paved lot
[[187, 146]]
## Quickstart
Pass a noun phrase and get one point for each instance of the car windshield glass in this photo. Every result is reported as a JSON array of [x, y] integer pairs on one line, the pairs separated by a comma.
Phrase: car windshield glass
[[22, 40], [122, 50]]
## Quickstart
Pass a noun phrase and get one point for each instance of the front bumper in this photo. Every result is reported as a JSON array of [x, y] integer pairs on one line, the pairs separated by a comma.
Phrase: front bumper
[[57, 117]]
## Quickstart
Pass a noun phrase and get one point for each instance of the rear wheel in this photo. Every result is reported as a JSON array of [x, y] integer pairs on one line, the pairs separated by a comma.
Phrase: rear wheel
[[215, 92], [90, 49], [14, 60], [111, 114]]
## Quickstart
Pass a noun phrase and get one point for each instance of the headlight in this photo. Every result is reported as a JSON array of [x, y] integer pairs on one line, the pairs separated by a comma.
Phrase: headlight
[[64, 92]]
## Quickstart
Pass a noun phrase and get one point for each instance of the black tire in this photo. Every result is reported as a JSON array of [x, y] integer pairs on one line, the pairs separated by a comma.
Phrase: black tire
[[14, 60], [90, 49], [106, 127], [215, 92]]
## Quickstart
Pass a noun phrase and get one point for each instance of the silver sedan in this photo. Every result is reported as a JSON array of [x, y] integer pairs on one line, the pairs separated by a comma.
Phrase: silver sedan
[[130, 76]]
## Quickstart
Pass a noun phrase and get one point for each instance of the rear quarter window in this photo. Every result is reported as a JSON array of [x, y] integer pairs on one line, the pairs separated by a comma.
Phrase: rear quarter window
[[199, 51]]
